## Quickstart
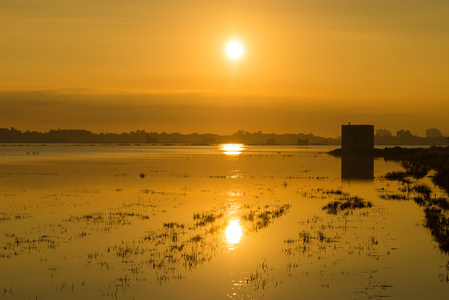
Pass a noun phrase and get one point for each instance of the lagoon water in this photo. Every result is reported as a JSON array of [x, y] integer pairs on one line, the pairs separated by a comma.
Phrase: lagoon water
[[208, 222]]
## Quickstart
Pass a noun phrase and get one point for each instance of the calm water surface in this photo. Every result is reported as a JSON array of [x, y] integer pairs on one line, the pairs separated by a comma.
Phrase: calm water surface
[[208, 222]]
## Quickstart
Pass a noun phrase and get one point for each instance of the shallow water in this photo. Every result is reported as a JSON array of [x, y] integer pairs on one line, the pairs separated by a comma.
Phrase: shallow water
[[207, 222]]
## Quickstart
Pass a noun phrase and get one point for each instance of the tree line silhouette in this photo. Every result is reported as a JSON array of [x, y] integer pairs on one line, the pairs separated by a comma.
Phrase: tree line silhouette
[[383, 137], [13, 135]]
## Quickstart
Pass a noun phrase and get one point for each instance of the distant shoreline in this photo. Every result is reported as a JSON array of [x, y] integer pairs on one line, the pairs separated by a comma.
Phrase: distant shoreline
[[396, 152], [81, 136]]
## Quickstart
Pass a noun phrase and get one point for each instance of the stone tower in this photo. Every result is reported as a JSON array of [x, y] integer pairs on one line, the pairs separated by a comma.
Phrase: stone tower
[[357, 138]]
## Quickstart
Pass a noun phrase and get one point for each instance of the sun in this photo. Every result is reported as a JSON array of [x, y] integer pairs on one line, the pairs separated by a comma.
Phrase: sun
[[233, 232], [234, 49]]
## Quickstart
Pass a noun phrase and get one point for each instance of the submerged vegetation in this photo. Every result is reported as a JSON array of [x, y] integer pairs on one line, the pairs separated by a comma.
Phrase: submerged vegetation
[[437, 221], [396, 175], [335, 238], [261, 218], [393, 197], [184, 246], [346, 203], [436, 209], [418, 162]]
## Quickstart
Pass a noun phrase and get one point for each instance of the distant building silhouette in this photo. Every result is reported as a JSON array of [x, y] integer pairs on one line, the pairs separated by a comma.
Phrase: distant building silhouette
[[357, 138], [304, 142], [383, 133], [433, 133]]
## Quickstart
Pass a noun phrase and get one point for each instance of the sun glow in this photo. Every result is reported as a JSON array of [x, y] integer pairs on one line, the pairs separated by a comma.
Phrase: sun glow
[[232, 149], [234, 49], [233, 232]]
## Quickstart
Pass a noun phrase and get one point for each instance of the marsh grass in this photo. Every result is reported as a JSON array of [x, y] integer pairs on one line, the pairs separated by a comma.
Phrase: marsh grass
[[5, 216], [437, 221], [423, 190], [327, 237], [397, 175], [176, 248], [415, 169], [400, 197], [204, 219], [262, 217], [346, 203], [436, 209], [260, 279], [52, 236]]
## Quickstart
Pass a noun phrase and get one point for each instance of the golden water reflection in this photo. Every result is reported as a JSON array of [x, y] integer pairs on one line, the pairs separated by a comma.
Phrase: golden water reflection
[[232, 149], [233, 232]]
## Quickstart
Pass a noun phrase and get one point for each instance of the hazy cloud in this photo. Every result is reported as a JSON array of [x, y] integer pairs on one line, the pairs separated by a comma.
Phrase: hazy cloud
[[190, 112]]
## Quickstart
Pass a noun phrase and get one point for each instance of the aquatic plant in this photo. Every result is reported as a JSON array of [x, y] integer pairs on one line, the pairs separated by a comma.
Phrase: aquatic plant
[[440, 202], [259, 218], [422, 189], [436, 211], [173, 225], [321, 237], [117, 218], [203, 219], [415, 169], [393, 197], [438, 224], [396, 175], [261, 278], [418, 162], [177, 247], [419, 200], [333, 192], [305, 237], [441, 177], [346, 203]]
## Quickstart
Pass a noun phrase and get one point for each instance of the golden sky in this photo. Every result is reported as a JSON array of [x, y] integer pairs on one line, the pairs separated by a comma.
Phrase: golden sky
[[308, 65]]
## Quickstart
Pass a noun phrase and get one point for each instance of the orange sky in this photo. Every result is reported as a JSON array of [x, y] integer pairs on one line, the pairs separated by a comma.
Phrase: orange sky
[[309, 66]]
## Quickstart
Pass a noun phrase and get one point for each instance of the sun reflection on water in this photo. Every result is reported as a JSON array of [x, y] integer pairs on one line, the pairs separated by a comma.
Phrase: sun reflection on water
[[233, 232], [232, 149]]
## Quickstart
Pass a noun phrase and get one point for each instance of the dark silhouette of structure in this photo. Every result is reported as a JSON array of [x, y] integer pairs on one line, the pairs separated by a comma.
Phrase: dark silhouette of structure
[[304, 142], [357, 144], [433, 133], [357, 138], [357, 167]]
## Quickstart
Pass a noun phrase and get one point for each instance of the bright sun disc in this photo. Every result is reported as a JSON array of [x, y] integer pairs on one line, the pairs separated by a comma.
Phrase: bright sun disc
[[234, 49], [233, 232]]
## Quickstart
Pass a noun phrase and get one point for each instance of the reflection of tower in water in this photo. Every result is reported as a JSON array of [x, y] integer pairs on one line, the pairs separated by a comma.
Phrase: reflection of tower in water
[[359, 167]]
